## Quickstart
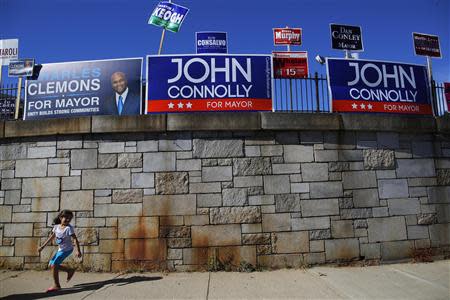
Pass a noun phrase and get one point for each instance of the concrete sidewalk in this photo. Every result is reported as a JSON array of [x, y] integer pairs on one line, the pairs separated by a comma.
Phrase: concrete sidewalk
[[399, 281]]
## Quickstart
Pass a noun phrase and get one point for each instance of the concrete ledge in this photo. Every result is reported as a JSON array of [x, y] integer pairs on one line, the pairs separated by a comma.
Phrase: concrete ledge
[[411, 124], [2, 129], [213, 121], [144, 123], [443, 123], [300, 121], [47, 127]]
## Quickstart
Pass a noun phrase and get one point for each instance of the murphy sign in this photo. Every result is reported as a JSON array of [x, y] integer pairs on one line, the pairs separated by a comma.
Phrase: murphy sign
[[378, 87], [168, 15], [188, 83]]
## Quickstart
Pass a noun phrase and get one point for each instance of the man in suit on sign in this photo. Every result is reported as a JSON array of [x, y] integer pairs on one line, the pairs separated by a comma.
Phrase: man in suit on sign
[[124, 101]]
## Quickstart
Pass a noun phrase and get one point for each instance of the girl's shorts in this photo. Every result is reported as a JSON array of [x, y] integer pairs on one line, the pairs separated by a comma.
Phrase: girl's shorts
[[59, 257]]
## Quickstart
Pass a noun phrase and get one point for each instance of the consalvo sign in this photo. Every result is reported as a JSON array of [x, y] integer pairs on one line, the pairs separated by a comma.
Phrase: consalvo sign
[[378, 86], [9, 50], [168, 15], [188, 83], [287, 36], [211, 42], [71, 89], [290, 65], [346, 37]]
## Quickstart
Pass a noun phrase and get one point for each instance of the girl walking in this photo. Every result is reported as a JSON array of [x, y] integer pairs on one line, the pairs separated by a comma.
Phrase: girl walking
[[63, 233]]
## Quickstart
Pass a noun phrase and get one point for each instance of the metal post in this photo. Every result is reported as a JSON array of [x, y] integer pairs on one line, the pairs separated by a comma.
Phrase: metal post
[[316, 80], [19, 90], [431, 83]]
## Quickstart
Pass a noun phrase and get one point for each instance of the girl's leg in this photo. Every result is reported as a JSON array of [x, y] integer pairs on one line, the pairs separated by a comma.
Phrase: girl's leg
[[69, 271], [55, 270]]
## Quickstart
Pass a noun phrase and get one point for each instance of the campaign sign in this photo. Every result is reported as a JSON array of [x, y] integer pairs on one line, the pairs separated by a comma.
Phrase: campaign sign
[[447, 94], [426, 45], [72, 89], [287, 36], [346, 37], [21, 67], [168, 15], [211, 42], [188, 83], [378, 86], [290, 65], [9, 49]]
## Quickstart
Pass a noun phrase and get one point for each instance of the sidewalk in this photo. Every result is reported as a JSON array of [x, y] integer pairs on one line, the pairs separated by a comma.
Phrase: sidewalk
[[398, 281]]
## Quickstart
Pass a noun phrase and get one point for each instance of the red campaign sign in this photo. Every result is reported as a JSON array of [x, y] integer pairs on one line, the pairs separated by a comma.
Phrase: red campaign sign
[[290, 65], [228, 104], [370, 106], [447, 94], [287, 36]]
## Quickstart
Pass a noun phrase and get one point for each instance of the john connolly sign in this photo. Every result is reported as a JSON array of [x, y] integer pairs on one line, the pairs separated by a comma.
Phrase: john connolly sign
[[377, 86], [184, 83]]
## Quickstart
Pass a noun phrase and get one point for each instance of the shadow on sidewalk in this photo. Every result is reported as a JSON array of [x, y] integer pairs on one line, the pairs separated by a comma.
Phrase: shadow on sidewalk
[[83, 287]]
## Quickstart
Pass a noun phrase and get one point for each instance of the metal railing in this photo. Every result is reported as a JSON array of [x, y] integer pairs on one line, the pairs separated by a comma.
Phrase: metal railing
[[439, 95], [8, 96], [301, 95], [308, 95]]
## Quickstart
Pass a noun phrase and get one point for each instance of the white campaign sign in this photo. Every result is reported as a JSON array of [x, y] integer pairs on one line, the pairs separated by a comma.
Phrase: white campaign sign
[[9, 50]]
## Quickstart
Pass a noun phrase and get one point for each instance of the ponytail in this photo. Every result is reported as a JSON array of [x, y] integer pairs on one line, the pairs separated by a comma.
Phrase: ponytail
[[64, 213]]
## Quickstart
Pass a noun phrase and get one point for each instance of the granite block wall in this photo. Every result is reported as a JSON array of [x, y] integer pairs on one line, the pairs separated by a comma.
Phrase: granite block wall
[[226, 200]]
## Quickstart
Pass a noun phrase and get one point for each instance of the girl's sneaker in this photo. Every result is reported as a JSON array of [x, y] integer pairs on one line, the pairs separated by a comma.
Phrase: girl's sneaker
[[52, 289]]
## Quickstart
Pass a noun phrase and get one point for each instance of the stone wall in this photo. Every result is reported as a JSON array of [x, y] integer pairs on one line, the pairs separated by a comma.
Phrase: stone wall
[[227, 200]]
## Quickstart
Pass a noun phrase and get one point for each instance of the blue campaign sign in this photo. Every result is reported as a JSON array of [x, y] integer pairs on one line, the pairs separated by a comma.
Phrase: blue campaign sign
[[211, 42], [98, 87], [187, 83], [378, 86]]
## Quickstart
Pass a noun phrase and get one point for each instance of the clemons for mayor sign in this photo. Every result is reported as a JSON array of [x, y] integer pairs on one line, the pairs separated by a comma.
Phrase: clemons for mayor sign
[[378, 87], [168, 15]]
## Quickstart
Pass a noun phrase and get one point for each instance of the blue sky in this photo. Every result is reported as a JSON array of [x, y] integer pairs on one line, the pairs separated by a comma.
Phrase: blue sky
[[68, 30]]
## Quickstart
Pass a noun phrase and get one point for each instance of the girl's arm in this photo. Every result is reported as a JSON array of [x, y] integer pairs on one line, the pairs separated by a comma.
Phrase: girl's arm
[[78, 254], [46, 242]]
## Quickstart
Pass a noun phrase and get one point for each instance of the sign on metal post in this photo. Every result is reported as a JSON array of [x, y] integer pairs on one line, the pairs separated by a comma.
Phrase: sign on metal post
[[21, 67], [290, 65], [427, 45], [346, 37], [190, 83], [98, 87], [168, 15], [211, 42], [378, 87], [287, 36]]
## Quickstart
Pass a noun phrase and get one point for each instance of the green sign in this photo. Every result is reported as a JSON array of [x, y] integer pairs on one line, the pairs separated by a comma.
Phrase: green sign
[[168, 15]]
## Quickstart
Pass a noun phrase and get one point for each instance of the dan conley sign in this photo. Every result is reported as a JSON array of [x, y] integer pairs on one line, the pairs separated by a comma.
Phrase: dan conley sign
[[168, 15], [378, 86], [346, 37], [102, 87], [188, 83]]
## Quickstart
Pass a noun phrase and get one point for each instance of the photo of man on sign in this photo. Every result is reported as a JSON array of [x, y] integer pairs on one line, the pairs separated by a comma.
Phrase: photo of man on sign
[[124, 101]]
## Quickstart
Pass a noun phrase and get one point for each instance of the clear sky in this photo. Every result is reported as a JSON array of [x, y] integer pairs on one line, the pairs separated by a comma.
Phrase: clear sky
[[68, 30]]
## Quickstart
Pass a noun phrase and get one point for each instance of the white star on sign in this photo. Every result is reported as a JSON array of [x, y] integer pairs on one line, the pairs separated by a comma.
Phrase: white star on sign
[[363, 106], [171, 105], [370, 106], [180, 105], [354, 106], [189, 105]]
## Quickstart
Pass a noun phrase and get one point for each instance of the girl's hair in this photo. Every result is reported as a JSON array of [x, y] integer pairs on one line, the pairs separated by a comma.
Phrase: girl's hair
[[64, 213]]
